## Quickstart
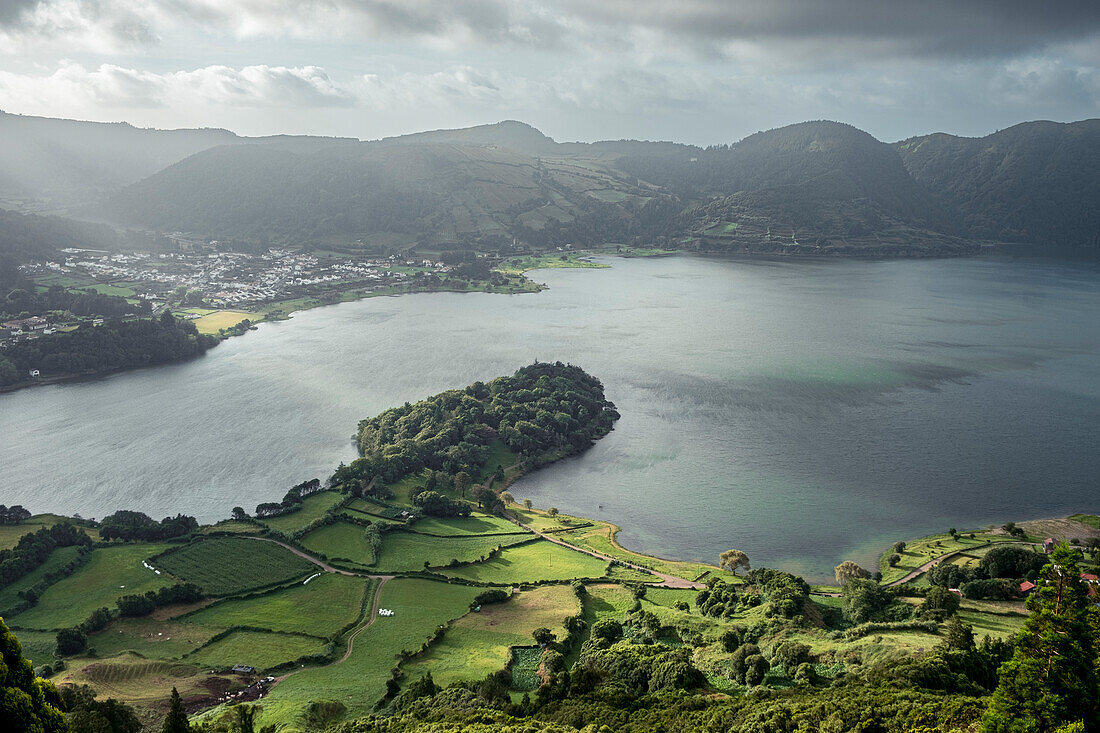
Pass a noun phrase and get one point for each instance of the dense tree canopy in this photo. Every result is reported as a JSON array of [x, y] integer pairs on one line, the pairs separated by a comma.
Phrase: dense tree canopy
[[542, 408], [96, 349], [27, 703]]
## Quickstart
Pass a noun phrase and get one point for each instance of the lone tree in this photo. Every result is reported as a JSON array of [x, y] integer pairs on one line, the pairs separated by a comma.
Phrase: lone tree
[[527, 503], [1051, 679], [552, 511], [176, 720], [847, 571], [26, 702], [732, 559], [462, 482], [507, 497]]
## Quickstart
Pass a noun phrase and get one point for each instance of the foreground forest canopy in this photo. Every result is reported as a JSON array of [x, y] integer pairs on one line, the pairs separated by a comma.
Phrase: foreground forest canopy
[[411, 591]]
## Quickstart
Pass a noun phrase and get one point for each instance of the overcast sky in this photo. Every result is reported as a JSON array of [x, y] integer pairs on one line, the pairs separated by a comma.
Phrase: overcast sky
[[699, 71]]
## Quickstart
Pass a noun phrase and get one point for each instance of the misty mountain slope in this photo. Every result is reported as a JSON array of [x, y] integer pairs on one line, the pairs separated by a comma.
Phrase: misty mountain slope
[[812, 155], [1034, 182], [437, 191], [28, 237], [76, 160]]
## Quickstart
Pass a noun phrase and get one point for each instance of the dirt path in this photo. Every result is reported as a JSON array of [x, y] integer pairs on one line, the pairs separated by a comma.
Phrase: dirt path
[[323, 565], [383, 579], [372, 616]]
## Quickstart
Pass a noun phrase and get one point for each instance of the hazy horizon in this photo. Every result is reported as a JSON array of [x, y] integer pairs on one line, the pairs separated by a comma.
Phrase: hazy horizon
[[700, 72]]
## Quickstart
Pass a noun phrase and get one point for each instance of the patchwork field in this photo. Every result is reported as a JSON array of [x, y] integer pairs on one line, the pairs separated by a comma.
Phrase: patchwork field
[[918, 552], [402, 551], [405, 551], [111, 572], [59, 558], [534, 561], [340, 541], [314, 507], [231, 565], [257, 649], [480, 643], [421, 607], [319, 608]]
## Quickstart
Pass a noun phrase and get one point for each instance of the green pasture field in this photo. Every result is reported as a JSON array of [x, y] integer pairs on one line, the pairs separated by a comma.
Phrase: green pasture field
[[257, 649], [406, 551], [340, 541], [1089, 519], [229, 565], [150, 637], [480, 643], [363, 509], [38, 646], [105, 289], [534, 561], [59, 558], [314, 507], [606, 600], [111, 572], [474, 524], [420, 606], [11, 533], [989, 619], [320, 607], [668, 597]]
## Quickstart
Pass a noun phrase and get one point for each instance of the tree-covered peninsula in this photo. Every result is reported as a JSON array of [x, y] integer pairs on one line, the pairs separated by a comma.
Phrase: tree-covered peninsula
[[543, 411]]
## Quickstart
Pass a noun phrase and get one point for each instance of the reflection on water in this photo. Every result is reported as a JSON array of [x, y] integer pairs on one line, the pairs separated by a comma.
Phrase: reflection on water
[[801, 411]]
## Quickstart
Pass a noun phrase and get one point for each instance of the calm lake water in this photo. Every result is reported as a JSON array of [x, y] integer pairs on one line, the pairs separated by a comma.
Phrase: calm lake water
[[804, 412]]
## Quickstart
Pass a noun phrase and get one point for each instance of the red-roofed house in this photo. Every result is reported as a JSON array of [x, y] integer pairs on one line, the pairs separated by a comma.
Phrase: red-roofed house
[[1048, 545], [1026, 587]]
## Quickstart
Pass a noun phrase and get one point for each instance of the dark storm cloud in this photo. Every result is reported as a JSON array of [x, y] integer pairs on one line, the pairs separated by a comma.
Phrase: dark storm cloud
[[918, 27], [12, 10]]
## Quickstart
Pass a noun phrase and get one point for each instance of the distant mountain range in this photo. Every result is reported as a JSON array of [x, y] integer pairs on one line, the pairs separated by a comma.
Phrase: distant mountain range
[[811, 188]]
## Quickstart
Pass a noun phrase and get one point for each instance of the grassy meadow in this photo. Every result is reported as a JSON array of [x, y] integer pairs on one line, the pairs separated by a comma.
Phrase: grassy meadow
[[319, 608], [110, 573], [532, 562]]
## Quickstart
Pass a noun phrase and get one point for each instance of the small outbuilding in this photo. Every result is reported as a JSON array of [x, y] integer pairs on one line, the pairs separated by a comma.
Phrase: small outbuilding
[[1027, 587]]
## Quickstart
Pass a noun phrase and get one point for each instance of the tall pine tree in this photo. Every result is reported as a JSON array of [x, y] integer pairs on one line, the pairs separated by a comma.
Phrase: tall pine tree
[[1051, 679], [176, 722]]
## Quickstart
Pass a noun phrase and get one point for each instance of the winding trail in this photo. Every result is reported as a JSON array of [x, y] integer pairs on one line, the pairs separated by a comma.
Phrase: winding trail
[[372, 616]]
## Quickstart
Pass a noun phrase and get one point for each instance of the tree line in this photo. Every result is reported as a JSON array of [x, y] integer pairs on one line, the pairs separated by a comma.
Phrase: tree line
[[97, 349]]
